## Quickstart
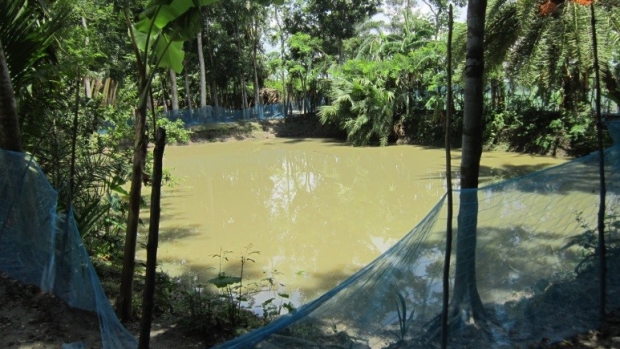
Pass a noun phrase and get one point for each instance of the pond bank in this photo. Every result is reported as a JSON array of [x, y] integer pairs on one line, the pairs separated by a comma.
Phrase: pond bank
[[301, 126]]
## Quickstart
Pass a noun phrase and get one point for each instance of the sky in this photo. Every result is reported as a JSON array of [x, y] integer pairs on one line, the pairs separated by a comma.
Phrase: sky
[[423, 8]]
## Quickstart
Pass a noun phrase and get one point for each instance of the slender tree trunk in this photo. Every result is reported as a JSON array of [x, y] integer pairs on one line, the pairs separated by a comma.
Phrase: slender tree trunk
[[164, 94], [74, 144], [10, 135], [244, 96], [242, 77], [305, 95], [153, 241], [174, 91], [446, 267], [214, 94], [203, 72], [215, 101], [124, 301], [242, 81], [465, 299], [257, 102], [602, 249], [87, 90], [283, 99], [188, 95]]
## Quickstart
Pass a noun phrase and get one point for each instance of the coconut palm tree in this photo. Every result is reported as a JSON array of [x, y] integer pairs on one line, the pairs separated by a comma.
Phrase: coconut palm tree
[[381, 43]]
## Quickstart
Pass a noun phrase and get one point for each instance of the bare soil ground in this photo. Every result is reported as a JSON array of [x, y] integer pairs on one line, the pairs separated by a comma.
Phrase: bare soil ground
[[300, 126], [30, 319]]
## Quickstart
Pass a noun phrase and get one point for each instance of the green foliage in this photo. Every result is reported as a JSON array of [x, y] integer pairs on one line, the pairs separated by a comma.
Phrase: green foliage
[[361, 106], [175, 130], [330, 21], [587, 241], [395, 87], [232, 290], [404, 320], [548, 52], [522, 127], [229, 306], [273, 307], [27, 32]]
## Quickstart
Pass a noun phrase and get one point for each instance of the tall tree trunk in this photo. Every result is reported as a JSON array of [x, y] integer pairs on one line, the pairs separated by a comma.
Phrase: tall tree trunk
[[446, 265], [124, 300], [304, 106], [242, 80], [153, 240], [87, 89], [602, 248], [257, 102], [164, 94], [215, 101], [466, 300], [283, 100], [174, 91], [188, 95], [203, 72], [10, 136]]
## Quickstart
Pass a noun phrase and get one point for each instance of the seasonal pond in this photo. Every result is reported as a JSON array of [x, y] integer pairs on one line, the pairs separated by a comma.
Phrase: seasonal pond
[[315, 211]]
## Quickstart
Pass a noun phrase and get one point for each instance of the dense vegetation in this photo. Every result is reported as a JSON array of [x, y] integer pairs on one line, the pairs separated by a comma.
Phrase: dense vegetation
[[79, 78]]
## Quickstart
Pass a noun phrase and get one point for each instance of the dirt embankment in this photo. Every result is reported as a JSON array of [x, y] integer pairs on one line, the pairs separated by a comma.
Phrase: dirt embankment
[[301, 126], [31, 319]]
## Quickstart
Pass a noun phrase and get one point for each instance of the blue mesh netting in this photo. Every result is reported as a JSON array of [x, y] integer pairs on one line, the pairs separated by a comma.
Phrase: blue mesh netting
[[211, 114], [530, 278], [39, 246]]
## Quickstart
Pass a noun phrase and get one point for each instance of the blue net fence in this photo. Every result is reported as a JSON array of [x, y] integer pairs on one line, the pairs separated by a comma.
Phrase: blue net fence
[[211, 114], [531, 256], [42, 247], [535, 271]]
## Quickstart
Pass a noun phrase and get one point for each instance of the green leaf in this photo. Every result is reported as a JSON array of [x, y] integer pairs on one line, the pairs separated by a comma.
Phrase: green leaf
[[166, 13], [171, 54], [120, 190], [141, 37], [90, 215], [224, 280], [289, 306]]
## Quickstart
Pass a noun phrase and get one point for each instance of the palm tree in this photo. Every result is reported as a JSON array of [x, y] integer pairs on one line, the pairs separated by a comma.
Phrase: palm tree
[[548, 46], [363, 107], [27, 32], [381, 44], [466, 305]]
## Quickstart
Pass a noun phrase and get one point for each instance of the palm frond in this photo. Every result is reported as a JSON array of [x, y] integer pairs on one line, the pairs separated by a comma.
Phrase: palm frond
[[27, 30]]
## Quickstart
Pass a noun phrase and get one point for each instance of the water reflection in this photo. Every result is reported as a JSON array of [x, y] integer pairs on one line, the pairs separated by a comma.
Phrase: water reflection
[[316, 211]]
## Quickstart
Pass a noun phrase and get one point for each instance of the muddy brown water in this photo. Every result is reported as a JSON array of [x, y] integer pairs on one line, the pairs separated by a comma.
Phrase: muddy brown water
[[314, 211]]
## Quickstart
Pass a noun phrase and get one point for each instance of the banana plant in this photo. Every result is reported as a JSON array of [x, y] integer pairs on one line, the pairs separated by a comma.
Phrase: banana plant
[[157, 39]]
